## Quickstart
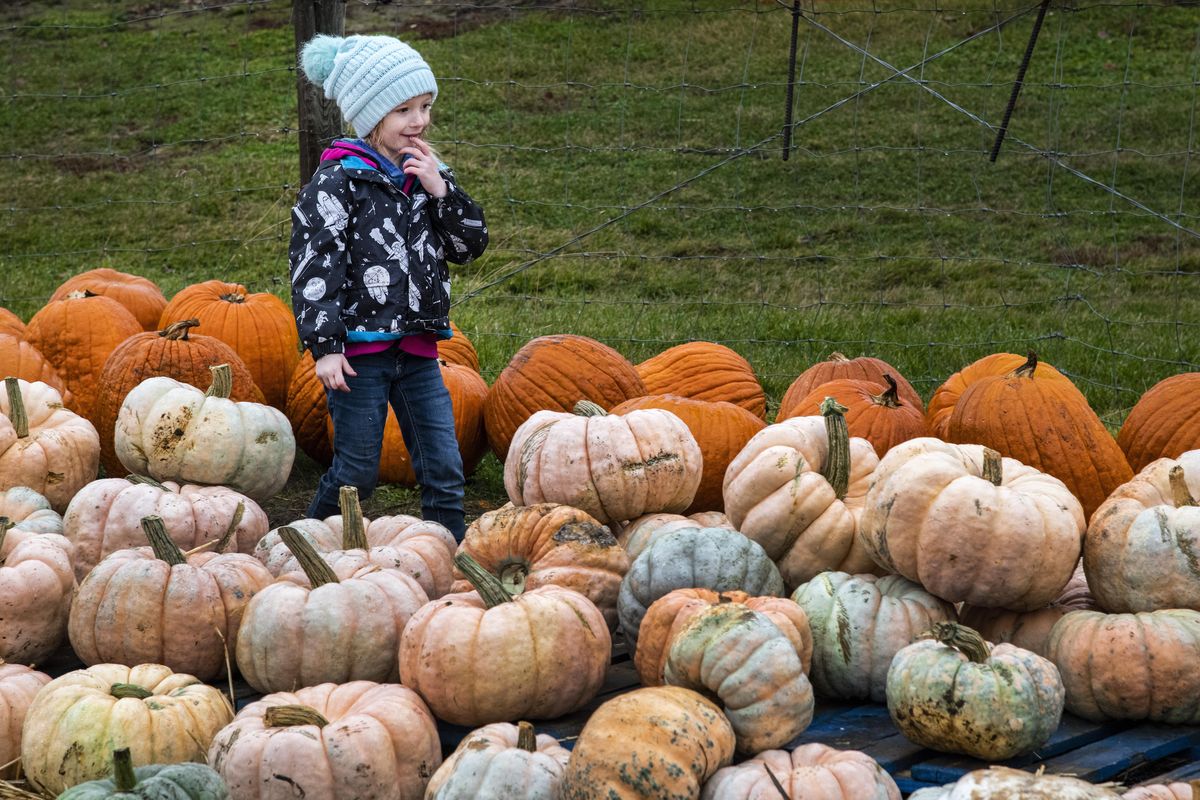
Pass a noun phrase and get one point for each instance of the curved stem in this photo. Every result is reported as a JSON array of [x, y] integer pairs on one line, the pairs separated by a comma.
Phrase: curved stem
[[1027, 369], [488, 586], [122, 690], [837, 466], [318, 572], [586, 408], [890, 396], [526, 737], [993, 466], [231, 529], [147, 481], [16, 407], [1179, 487], [222, 382], [161, 543], [178, 331], [354, 532], [963, 639], [836, 356], [123, 777], [289, 715]]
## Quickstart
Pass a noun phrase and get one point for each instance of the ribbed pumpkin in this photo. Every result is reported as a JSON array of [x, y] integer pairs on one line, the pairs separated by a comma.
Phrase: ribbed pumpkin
[[688, 739], [704, 371], [613, 466], [836, 367], [798, 489], [11, 323], [671, 613], [941, 404], [1130, 666], [355, 741], [874, 412], [106, 517], [1046, 424], [721, 429], [458, 350], [1140, 552], [18, 686], [158, 605], [77, 720], [1160, 791], [546, 543], [501, 761], [637, 534], [258, 326], [44, 446], [36, 590], [29, 511], [176, 352], [154, 782], [968, 524], [810, 772], [858, 623], [1029, 630], [1165, 421], [76, 335], [553, 373], [140, 296], [1005, 782], [955, 693], [307, 410], [20, 359]]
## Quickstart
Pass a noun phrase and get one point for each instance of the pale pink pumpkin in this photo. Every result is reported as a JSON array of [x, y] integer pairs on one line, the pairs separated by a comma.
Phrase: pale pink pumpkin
[[1165, 791], [810, 772], [1029, 630], [637, 534], [18, 685], [29, 510], [44, 446], [503, 761], [36, 589]]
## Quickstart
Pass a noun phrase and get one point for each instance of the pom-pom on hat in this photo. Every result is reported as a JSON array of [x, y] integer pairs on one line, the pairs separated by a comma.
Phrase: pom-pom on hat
[[367, 76]]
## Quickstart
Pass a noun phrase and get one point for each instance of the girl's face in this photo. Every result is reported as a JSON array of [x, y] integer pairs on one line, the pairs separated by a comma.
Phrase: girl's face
[[400, 125]]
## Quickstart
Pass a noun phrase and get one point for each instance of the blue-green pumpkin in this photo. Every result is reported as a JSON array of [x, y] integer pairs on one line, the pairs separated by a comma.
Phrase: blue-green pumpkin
[[186, 781]]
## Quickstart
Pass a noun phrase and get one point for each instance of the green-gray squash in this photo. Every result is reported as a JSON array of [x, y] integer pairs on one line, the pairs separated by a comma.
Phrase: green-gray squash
[[955, 693], [188, 781]]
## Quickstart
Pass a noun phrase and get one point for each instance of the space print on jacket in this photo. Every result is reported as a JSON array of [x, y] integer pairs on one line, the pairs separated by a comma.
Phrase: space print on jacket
[[369, 255]]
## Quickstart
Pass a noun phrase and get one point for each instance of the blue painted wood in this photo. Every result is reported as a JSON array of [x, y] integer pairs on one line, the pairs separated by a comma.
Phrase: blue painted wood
[[1139, 745], [1189, 771]]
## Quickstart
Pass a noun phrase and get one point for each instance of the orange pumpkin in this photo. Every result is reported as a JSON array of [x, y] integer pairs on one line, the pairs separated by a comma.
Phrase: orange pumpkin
[[1046, 424], [863, 368], [11, 323], [174, 352], [308, 412], [76, 335], [553, 373], [20, 359], [18, 685], [720, 428], [875, 413], [44, 446], [458, 350], [258, 326], [1165, 421], [941, 405], [141, 296], [705, 371]]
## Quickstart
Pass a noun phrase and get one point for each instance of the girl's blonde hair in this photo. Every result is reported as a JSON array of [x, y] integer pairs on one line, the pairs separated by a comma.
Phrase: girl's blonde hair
[[372, 139]]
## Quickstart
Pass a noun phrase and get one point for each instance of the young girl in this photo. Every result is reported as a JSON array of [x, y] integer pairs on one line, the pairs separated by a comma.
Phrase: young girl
[[371, 233]]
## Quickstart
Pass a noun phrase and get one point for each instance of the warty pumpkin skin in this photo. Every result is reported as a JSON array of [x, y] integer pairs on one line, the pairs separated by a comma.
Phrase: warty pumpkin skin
[[29, 511], [966, 524], [704, 371], [37, 585], [658, 743], [1165, 421], [798, 489], [140, 296], [20, 359], [858, 623], [1141, 544], [501, 761], [955, 693], [747, 662], [77, 720], [18, 686], [553, 373], [1130, 666], [44, 446], [354, 741], [613, 466], [837, 367], [105, 516], [155, 782], [810, 772], [1005, 782], [874, 411], [941, 404], [1029, 630], [637, 534], [487, 656], [703, 558]]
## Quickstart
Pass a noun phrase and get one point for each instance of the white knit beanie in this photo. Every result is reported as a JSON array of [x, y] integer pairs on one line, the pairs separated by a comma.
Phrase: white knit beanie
[[367, 76]]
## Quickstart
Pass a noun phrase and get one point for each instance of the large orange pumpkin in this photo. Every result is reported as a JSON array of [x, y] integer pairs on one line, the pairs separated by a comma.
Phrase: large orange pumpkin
[[308, 412], [1046, 424], [20, 359], [141, 296], [77, 334], [258, 326], [837, 366], [874, 412], [941, 405], [458, 350], [11, 323], [1165, 421], [553, 373], [705, 371]]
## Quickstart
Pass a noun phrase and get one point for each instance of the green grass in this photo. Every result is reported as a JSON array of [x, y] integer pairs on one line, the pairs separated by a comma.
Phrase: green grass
[[157, 138]]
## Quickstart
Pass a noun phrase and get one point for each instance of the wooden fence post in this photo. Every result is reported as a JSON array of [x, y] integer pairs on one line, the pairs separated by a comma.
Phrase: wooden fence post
[[320, 120]]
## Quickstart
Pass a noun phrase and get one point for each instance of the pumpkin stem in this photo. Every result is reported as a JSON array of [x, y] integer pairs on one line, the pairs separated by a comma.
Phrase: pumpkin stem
[[526, 738], [837, 465], [16, 407], [79, 294], [222, 383], [231, 529], [891, 396], [147, 480], [178, 331], [1027, 369], [836, 356], [488, 586], [236, 296], [122, 690], [161, 543], [778, 786], [586, 408], [6, 525], [288, 715], [319, 573], [354, 533], [512, 576], [123, 776], [993, 466], [1179, 487], [1195, 789], [963, 639]]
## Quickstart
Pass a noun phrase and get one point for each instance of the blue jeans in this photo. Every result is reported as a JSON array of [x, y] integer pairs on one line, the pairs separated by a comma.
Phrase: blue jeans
[[413, 386]]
